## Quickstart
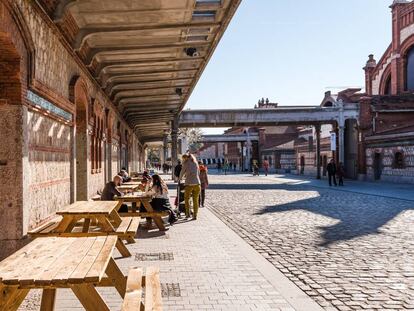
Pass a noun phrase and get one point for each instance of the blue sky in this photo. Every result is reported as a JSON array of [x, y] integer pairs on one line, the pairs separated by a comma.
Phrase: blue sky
[[292, 52]]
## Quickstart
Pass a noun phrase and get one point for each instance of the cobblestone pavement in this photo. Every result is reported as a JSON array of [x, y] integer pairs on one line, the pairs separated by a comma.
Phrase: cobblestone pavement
[[202, 267], [346, 250]]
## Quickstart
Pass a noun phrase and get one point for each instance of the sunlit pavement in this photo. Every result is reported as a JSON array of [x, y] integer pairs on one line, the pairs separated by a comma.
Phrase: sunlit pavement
[[349, 248]]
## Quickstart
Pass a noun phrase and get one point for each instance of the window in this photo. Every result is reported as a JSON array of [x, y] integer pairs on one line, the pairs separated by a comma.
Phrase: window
[[387, 89], [398, 160], [410, 70]]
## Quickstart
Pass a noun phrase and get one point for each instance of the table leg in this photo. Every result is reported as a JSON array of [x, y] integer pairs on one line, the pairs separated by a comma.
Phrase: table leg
[[65, 224], [86, 224], [116, 219], [157, 219], [89, 297], [122, 248], [117, 277], [48, 299], [11, 297]]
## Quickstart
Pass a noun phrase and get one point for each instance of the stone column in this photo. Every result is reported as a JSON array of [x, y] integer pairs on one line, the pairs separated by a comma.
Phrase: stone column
[[341, 133], [341, 139], [164, 155], [174, 142], [318, 150]]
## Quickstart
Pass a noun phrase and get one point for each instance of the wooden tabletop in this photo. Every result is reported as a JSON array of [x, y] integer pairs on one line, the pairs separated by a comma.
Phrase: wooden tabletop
[[58, 261], [89, 207], [134, 195]]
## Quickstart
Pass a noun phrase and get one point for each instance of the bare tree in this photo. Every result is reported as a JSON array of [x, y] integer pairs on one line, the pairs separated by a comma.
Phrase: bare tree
[[193, 136]]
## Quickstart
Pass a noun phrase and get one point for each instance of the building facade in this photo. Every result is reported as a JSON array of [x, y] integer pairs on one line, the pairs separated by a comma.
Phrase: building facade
[[387, 110]]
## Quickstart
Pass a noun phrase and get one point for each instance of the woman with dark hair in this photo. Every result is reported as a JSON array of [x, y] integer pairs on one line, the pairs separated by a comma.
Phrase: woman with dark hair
[[160, 199]]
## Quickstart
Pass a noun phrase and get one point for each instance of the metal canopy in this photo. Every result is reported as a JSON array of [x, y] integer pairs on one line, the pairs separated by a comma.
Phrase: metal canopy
[[146, 54]]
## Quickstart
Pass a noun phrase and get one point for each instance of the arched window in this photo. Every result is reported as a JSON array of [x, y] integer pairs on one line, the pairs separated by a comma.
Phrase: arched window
[[387, 89], [398, 160], [410, 70]]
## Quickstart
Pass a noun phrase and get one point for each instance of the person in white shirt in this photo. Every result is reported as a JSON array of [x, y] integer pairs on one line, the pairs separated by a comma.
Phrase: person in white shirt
[[160, 199]]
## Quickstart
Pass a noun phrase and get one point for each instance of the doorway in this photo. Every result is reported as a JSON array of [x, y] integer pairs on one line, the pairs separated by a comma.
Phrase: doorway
[[377, 166], [324, 165], [81, 143], [302, 165]]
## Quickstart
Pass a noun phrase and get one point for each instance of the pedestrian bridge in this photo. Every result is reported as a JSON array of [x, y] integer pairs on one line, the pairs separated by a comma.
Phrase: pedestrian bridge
[[300, 115], [228, 138]]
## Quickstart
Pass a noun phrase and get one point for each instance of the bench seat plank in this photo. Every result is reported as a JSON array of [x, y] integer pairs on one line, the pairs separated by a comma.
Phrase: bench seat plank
[[133, 294], [153, 299]]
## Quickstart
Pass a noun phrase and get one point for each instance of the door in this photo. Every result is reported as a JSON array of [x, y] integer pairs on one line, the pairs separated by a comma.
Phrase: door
[[377, 166]]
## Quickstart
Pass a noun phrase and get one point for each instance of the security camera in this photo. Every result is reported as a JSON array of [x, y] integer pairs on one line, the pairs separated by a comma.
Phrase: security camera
[[192, 52]]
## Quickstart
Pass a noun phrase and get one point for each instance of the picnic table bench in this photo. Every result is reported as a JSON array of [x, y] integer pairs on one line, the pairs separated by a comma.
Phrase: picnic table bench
[[89, 218], [140, 198], [81, 264]]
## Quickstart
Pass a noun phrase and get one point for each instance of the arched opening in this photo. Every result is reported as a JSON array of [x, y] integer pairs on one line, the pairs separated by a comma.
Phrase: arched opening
[[328, 104], [81, 141], [387, 87], [398, 160], [410, 70]]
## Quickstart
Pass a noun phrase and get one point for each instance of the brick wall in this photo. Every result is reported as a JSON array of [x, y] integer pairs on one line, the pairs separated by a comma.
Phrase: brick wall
[[389, 172]]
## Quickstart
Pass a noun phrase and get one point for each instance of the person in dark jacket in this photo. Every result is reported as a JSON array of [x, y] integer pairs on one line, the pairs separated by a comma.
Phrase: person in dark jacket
[[331, 169], [341, 174], [177, 170], [110, 191]]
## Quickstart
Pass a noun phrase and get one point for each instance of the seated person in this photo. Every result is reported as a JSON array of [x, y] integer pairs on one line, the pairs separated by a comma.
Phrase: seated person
[[124, 174], [145, 182], [110, 191], [161, 200]]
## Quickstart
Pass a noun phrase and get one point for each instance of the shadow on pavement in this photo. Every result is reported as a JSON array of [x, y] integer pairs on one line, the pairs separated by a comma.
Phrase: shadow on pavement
[[354, 220]]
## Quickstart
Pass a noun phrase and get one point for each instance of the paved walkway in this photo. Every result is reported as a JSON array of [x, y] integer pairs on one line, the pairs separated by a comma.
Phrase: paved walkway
[[204, 266], [349, 248]]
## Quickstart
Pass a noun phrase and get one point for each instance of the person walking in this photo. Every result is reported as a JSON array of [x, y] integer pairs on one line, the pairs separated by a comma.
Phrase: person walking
[[266, 167], [204, 182], [341, 174], [191, 172], [177, 170], [331, 169]]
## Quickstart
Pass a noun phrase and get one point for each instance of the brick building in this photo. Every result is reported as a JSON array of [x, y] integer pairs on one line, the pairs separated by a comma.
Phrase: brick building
[[387, 112], [83, 88]]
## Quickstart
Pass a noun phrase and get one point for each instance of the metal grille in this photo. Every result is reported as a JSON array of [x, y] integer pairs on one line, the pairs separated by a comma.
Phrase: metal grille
[[170, 290], [154, 256]]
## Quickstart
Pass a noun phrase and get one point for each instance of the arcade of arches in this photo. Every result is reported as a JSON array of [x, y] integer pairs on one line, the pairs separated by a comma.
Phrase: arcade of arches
[[82, 94]]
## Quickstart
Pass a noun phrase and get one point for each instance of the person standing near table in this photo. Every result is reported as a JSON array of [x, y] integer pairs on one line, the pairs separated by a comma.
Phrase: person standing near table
[[191, 172], [204, 182], [331, 169]]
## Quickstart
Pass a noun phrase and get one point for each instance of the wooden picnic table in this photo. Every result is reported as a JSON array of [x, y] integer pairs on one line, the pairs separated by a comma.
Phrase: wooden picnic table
[[80, 264], [138, 198], [99, 218], [53, 262], [128, 186]]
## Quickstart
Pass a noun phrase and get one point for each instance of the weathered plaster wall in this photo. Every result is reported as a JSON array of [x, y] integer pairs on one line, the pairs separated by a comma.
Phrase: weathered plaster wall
[[49, 166]]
